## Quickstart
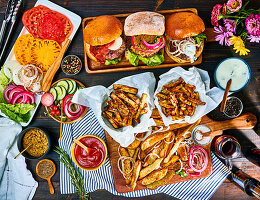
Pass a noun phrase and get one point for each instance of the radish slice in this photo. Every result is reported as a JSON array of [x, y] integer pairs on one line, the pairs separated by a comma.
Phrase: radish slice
[[117, 44], [47, 99]]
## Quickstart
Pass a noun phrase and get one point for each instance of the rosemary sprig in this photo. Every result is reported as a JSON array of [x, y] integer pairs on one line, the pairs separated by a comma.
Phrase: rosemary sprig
[[75, 175]]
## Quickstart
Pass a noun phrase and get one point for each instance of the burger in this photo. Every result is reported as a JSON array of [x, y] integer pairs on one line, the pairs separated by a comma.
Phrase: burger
[[145, 40], [103, 41], [185, 40]]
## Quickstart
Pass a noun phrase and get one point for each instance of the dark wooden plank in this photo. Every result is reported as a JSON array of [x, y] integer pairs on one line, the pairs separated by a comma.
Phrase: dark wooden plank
[[212, 55]]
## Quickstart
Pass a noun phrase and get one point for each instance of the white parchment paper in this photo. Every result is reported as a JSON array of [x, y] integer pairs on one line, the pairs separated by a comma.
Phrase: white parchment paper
[[199, 78], [95, 98]]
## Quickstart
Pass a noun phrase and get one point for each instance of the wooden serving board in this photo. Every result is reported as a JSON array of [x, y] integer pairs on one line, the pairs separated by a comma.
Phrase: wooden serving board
[[245, 121], [93, 67]]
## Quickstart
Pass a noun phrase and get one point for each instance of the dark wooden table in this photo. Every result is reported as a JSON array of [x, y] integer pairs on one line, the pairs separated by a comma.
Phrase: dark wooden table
[[212, 55]]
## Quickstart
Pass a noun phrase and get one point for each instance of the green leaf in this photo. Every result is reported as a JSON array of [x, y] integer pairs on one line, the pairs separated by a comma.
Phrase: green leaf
[[155, 60], [3, 84], [19, 112], [113, 62], [133, 58], [200, 37]]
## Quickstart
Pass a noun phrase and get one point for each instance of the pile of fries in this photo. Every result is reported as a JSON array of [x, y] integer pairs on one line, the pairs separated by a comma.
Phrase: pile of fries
[[153, 160], [178, 99], [124, 108]]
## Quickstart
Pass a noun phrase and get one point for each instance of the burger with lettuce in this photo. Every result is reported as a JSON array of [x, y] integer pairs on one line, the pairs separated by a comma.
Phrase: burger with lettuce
[[103, 41], [145, 40]]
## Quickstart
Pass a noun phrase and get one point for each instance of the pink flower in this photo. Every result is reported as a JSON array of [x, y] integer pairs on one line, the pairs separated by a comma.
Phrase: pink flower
[[215, 15], [234, 5], [253, 24], [254, 38], [224, 9], [223, 36], [230, 25]]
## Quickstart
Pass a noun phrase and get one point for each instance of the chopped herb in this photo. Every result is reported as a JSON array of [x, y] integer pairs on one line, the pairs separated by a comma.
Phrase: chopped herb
[[181, 173]]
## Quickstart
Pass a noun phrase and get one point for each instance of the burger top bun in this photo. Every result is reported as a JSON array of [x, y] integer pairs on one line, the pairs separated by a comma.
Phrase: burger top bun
[[102, 30], [181, 25], [144, 23]]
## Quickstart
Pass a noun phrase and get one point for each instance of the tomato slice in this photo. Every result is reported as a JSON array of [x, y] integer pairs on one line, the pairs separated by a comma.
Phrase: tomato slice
[[31, 17], [51, 27]]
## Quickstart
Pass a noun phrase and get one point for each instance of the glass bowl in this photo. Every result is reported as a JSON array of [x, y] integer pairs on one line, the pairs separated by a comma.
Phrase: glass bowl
[[68, 62], [240, 109]]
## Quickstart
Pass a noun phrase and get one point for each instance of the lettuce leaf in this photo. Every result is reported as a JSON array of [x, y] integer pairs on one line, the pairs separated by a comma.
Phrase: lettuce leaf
[[155, 60], [3, 84], [133, 58], [113, 62], [200, 37], [19, 112]]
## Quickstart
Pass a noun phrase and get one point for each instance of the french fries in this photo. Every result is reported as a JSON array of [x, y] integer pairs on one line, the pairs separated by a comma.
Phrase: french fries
[[154, 176], [178, 99], [136, 172], [124, 107]]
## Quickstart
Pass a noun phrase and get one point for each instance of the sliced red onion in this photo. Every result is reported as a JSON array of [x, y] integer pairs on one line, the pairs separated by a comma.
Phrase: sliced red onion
[[6, 92], [13, 91], [26, 96], [152, 46]]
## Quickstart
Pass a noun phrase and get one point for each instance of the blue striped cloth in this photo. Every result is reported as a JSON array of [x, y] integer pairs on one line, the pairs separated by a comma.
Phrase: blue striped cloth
[[102, 178]]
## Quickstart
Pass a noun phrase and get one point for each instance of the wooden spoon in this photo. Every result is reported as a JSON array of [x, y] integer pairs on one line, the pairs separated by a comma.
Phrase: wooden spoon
[[224, 100], [48, 77], [88, 149], [47, 178], [30, 144]]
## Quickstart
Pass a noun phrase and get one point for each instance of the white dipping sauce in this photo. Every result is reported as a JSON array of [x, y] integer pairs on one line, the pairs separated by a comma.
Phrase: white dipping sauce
[[234, 69]]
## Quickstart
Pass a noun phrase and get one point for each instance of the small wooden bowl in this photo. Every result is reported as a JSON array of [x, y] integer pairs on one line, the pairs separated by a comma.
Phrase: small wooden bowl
[[74, 158], [47, 178], [83, 114]]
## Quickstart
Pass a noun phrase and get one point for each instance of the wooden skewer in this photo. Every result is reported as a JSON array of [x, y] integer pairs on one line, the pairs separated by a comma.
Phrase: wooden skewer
[[47, 80], [61, 117], [23, 150], [83, 146], [224, 100]]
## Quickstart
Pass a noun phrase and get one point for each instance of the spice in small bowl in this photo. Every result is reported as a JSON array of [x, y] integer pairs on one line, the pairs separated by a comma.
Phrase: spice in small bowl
[[234, 107], [71, 65]]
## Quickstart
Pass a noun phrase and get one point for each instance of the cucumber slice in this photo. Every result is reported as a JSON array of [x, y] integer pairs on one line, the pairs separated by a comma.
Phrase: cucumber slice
[[70, 85], [61, 92], [65, 84], [54, 93], [74, 88]]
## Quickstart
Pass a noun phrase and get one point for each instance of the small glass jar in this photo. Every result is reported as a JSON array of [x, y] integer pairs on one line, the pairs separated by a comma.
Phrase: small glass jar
[[198, 137]]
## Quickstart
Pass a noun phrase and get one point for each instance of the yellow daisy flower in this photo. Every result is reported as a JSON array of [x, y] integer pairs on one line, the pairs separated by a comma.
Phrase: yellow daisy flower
[[239, 45]]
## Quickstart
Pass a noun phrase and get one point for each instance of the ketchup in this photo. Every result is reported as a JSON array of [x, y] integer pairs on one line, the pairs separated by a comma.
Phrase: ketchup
[[95, 157]]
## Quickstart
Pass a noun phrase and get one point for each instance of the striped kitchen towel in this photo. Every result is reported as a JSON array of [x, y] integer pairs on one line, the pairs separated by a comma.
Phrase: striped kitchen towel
[[102, 178]]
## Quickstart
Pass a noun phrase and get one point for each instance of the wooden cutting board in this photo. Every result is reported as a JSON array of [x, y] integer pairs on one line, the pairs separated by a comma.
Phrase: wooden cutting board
[[245, 121]]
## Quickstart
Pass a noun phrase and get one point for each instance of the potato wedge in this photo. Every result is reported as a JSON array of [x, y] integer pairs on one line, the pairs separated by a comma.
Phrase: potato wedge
[[134, 144], [154, 138], [166, 146], [147, 170], [161, 182], [151, 158], [131, 152], [136, 172], [127, 164], [172, 161], [182, 151], [156, 114], [154, 176], [125, 88], [136, 153]]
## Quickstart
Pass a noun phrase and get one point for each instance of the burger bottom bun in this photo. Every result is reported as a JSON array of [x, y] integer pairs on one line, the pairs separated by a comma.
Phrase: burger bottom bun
[[88, 52], [179, 60]]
